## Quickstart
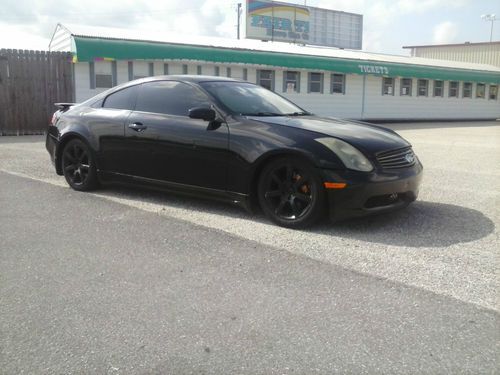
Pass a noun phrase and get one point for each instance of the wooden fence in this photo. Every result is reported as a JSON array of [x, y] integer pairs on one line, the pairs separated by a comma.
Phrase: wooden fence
[[30, 83]]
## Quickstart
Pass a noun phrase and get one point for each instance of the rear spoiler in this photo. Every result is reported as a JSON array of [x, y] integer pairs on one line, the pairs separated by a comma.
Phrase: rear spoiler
[[64, 106]]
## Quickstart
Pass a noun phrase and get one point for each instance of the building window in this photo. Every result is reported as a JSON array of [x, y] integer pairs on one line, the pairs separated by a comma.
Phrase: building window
[[493, 95], [184, 69], [406, 84], [438, 88], [480, 90], [165, 69], [265, 78], [315, 82], [228, 72], [151, 69], [103, 81], [291, 82], [422, 87], [245, 74], [338, 84], [198, 70], [467, 91], [217, 71], [453, 90], [387, 86]]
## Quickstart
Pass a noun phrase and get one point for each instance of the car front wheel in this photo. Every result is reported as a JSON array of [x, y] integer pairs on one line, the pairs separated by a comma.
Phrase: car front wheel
[[290, 193]]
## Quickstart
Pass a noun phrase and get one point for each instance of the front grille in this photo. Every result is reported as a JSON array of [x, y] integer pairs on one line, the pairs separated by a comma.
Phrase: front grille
[[400, 158]]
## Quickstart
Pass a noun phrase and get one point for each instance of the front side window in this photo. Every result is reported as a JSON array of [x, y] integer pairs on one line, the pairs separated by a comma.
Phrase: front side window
[[387, 86], [338, 84], [438, 88], [406, 86], [315, 82], [291, 82], [422, 87], [481, 90], [265, 78], [453, 90], [169, 97], [467, 92], [493, 94], [123, 99], [248, 99]]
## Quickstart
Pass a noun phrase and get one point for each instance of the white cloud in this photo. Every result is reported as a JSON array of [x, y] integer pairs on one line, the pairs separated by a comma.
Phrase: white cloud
[[422, 6], [445, 32]]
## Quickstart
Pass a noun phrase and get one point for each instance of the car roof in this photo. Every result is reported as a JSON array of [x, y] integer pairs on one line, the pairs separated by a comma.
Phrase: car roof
[[191, 78]]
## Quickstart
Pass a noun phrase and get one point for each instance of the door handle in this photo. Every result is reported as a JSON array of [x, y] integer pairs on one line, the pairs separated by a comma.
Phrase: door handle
[[137, 126]]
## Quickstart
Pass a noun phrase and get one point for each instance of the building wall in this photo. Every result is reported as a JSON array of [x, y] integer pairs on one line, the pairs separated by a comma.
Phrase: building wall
[[362, 98], [480, 54]]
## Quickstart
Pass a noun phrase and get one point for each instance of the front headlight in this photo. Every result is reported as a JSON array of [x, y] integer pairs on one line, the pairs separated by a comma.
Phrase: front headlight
[[350, 156]]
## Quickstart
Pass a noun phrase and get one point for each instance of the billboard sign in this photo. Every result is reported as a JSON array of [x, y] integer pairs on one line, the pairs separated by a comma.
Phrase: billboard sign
[[277, 21]]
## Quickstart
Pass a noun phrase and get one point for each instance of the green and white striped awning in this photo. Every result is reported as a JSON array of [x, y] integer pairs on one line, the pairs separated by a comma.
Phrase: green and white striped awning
[[92, 48]]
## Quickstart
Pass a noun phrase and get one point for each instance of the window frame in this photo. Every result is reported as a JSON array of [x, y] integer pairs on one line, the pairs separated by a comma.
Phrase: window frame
[[426, 87], [321, 83], [470, 89], [401, 86], [434, 88], [496, 92], [97, 86], [457, 95], [392, 85], [296, 80], [271, 78], [483, 85], [332, 83]]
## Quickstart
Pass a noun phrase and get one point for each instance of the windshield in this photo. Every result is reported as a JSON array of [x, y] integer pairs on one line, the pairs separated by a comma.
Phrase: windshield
[[251, 100]]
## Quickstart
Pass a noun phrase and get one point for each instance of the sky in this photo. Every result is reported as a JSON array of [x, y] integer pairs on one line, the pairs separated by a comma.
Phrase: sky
[[387, 24]]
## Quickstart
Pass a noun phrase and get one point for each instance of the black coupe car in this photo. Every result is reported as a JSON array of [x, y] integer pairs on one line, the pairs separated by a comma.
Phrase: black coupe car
[[236, 141]]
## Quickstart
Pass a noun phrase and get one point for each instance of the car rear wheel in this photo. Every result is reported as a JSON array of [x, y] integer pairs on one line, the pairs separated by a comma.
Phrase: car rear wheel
[[79, 166], [290, 193]]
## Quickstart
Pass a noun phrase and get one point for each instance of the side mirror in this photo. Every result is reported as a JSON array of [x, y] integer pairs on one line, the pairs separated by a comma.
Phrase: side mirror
[[203, 113]]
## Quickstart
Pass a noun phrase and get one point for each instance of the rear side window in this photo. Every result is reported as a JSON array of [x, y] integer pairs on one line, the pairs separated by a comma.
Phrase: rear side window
[[123, 99], [169, 97]]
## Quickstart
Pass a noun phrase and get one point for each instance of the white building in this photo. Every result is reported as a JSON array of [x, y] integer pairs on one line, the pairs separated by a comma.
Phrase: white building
[[330, 82]]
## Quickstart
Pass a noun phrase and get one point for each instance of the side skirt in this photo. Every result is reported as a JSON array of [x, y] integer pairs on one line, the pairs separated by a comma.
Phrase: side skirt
[[239, 199]]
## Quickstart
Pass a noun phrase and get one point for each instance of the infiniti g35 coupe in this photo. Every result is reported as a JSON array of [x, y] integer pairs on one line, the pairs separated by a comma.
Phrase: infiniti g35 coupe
[[236, 141]]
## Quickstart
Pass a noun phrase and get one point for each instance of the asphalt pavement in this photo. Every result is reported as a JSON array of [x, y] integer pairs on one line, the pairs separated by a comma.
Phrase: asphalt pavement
[[129, 281]]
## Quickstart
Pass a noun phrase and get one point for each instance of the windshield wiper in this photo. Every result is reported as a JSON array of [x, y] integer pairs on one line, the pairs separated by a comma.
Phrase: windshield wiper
[[263, 114], [303, 113]]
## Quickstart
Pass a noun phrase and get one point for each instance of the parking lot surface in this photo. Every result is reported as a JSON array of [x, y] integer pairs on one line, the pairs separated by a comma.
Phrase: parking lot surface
[[131, 281]]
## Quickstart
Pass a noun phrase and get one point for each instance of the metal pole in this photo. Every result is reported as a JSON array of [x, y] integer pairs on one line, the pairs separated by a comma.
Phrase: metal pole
[[491, 32], [239, 14]]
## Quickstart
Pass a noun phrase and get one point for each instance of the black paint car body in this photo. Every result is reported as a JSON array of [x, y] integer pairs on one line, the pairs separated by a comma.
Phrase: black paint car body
[[223, 156]]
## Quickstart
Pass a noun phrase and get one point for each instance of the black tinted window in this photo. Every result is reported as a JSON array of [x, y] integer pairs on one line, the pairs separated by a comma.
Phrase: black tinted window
[[169, 97], [123, 99]]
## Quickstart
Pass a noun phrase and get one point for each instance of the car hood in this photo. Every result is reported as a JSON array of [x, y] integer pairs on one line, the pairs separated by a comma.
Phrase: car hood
[[366, 137]]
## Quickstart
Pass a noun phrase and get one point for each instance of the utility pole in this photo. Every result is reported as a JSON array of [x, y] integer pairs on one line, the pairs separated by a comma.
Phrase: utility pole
[[238, 11], [491, 18]]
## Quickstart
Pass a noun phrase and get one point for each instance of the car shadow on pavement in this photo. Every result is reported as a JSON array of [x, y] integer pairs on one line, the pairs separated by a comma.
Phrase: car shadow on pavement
[[422, 224]]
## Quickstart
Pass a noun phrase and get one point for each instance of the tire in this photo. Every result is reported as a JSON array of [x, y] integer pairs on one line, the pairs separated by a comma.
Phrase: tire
[[78, 165], [291, 193]]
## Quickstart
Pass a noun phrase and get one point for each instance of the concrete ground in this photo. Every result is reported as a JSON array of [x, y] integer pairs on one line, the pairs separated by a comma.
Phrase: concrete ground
[[133, 281]]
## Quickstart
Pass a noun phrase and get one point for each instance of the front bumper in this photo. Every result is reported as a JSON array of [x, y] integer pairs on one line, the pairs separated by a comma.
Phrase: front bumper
[[372, 193]]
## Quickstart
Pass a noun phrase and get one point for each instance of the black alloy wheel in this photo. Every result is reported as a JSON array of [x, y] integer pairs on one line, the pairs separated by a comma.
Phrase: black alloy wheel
[[78, 166], [290, 193]]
